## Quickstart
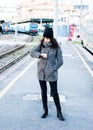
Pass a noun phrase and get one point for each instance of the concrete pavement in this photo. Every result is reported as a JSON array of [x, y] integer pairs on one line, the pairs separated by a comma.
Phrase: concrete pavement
[[75, 86]]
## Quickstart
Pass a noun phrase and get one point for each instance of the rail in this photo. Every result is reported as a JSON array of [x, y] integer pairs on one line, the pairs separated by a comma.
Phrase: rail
[[11, 57], [11, 51]]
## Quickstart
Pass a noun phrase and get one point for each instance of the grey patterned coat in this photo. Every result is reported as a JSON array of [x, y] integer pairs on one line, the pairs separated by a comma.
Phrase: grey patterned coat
[[48, 68]]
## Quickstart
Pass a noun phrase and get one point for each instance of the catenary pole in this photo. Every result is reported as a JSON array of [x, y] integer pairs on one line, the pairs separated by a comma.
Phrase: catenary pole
[[16, 24], [55, 19], [81, 4]]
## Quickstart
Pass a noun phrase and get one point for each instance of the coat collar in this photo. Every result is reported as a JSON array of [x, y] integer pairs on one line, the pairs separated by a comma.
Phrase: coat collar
[[47, 44]]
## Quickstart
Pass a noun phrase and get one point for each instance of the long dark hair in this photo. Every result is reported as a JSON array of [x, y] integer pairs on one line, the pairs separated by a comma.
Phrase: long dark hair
[[53, 41]]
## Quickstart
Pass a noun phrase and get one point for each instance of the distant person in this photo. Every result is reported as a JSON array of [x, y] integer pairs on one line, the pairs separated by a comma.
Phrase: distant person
[[50, 58]]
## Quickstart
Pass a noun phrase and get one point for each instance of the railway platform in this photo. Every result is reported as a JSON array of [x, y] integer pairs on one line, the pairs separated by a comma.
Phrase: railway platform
[[20, 101]]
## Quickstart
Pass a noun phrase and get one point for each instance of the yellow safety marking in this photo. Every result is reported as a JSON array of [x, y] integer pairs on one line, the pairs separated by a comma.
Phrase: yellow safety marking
[[86, 65], [6, 89]]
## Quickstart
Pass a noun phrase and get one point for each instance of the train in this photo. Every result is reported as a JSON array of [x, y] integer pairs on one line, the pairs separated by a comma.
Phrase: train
[[30, 28], [5, 27], [87, 34]]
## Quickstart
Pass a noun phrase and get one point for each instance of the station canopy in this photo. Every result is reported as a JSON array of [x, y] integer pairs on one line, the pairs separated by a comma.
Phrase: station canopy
[[43, 20]]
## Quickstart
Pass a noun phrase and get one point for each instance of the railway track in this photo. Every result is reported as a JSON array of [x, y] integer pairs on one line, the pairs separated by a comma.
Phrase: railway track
[[10, 57], [9, 50]]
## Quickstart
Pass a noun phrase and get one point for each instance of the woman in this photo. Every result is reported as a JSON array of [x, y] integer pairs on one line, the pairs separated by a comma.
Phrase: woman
[[50, 60]]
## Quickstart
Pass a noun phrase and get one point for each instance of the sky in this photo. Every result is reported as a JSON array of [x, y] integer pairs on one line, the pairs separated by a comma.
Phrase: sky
[[9, 3]]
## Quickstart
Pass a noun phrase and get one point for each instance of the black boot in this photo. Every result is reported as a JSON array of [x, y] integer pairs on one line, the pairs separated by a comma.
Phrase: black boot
[[45, 106], [56, 99], [44, 114], [43, 86], [59, 115]]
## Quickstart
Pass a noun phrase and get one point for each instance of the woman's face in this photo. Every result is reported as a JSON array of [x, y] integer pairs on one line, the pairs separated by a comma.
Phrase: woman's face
[[46, 40]]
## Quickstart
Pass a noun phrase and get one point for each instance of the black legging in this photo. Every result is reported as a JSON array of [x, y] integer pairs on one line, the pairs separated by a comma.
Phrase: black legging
[[53, 86]]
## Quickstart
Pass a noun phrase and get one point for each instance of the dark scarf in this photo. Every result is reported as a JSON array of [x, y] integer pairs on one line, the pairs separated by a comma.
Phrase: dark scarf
[[47, 44]]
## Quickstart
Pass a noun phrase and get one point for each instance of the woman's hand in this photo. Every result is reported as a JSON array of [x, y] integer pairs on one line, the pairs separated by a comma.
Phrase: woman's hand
[[43, 55]]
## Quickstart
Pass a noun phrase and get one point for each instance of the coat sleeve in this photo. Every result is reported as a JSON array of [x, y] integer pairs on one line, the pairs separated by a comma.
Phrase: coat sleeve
[[35, 52], [59, 61]]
